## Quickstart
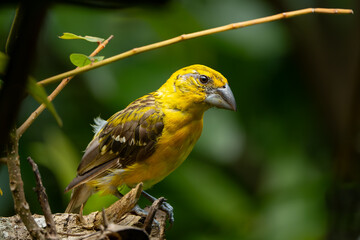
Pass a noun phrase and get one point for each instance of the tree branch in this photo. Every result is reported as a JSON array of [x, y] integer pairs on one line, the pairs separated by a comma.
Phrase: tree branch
[[17, 189], [21, 49], [119, 220], [194, 35], [58, 89], [116, 211]]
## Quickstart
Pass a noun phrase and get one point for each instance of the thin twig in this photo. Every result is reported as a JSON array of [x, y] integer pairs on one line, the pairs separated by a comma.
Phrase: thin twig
[[150, 217], [20, 131], [21, 206], [44, 202], [100, 47], [194, 35]]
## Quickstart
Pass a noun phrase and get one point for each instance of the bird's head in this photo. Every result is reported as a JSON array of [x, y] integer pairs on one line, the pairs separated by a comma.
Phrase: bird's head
[[198, 86]]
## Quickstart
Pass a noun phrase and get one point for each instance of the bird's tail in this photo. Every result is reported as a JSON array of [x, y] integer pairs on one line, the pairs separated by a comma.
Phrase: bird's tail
[[79, 196]]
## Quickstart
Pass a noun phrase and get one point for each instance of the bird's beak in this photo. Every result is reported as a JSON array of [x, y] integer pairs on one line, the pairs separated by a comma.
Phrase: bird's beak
[[222, 98]]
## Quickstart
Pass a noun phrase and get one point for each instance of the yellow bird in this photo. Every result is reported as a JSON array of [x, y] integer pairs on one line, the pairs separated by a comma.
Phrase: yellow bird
[[151, 137]]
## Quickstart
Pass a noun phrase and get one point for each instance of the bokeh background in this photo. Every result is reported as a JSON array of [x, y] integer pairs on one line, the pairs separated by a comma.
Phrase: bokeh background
[[284, 166]]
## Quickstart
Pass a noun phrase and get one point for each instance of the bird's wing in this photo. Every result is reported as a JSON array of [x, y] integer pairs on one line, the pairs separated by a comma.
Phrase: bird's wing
[[129, 136]]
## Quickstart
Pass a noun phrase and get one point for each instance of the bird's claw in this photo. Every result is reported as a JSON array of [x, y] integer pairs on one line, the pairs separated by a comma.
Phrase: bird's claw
[[166, 207], [139, 211], [143, 213]]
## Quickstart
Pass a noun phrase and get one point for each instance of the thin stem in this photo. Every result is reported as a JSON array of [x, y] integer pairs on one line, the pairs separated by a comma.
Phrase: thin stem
[[191, 36], [57, 90], [14, 31], [21, 206], [21, 47], [44, 202]]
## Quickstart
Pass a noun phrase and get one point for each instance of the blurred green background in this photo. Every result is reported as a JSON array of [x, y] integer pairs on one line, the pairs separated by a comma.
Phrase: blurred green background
[[275, 169]]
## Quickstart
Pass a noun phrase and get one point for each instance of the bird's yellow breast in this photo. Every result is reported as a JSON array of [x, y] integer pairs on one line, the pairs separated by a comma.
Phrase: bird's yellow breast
[[175, 144]]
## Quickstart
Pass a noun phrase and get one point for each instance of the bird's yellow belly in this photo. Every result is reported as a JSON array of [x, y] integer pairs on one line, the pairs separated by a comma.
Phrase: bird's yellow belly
[[172, 149]]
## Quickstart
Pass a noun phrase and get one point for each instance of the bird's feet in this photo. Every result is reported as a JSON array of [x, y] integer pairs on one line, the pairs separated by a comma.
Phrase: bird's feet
[[143, 213], [166, 207], [139, 211]]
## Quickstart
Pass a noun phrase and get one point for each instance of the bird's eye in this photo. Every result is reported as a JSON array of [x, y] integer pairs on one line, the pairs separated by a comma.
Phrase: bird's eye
[[204, 79]]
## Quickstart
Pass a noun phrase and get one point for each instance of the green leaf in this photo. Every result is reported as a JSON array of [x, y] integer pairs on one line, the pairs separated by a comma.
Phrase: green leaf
[[39, 94], [87, 38], [81, 60], [96, 59], [3, 62], [70, 36], [93, 39]]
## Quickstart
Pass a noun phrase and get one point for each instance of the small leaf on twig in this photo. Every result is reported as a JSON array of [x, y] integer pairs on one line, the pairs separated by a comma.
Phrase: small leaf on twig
[[93, 39], [1, 193], [39, 94], [86, 38], [81, 60]]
